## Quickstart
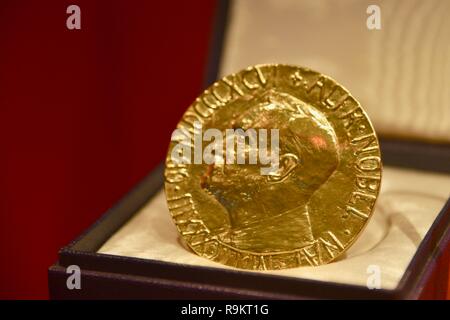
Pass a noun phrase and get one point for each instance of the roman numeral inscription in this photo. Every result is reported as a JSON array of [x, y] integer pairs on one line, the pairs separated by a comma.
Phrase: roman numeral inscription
[[218, 95], [221, 93], [329, 246], [309, 256], [324, 249], [222, 253]]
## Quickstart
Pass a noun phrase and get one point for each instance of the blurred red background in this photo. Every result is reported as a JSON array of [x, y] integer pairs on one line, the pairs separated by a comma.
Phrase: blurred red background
[[85, 114]]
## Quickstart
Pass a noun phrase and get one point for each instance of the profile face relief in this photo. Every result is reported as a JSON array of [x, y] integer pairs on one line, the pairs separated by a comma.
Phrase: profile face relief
[[259, 206]]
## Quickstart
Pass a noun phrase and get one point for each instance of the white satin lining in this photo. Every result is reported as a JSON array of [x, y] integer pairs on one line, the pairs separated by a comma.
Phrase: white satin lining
[[408, 204]]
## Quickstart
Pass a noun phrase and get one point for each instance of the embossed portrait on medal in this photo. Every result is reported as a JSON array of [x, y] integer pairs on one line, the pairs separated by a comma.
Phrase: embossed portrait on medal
[[269, 213]]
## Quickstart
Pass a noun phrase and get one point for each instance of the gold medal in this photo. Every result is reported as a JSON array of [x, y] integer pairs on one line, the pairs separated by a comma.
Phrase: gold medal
[[274, 167]]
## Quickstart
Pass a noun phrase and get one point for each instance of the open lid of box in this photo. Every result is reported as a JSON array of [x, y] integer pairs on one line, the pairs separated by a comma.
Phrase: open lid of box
[[399, 73], [92, 251]]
